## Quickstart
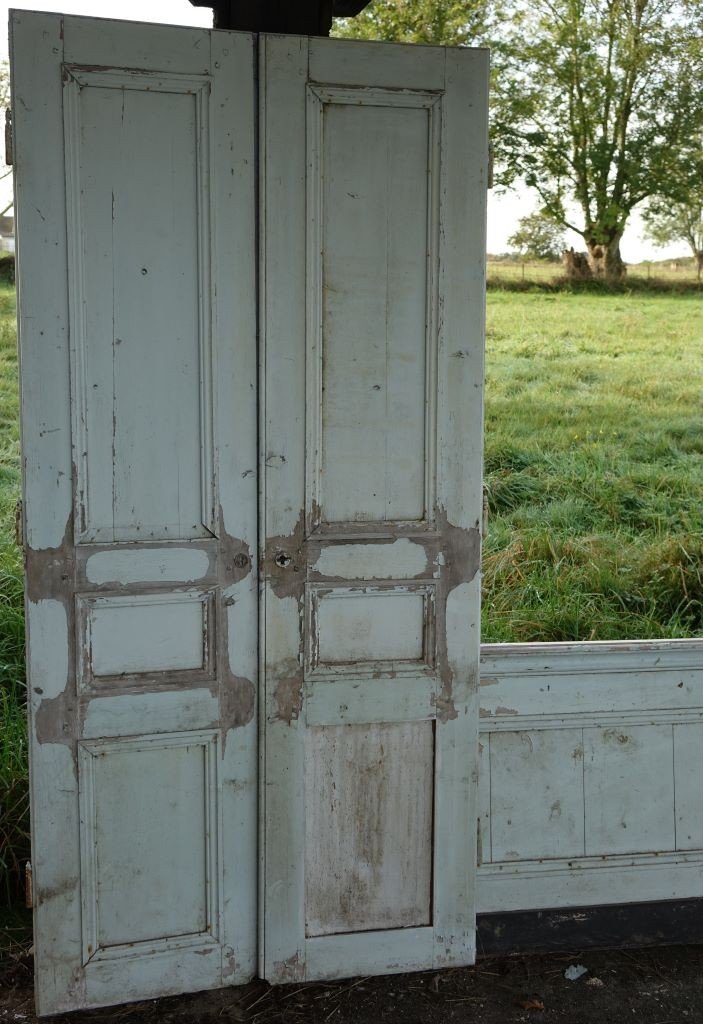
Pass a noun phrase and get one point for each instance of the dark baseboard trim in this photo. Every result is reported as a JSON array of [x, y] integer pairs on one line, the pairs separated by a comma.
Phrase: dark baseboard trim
[[665, 923]]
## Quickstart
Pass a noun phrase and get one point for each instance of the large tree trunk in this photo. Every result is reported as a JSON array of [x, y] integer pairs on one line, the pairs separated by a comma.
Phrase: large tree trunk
[[605, 259]]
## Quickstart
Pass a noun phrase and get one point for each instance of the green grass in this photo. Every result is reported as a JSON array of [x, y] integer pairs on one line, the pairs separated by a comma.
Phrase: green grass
[[14, 813], [594, 467], [594, 474]]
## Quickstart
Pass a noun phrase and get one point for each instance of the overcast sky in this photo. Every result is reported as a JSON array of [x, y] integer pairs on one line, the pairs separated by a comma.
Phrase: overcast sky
[[503, 211]]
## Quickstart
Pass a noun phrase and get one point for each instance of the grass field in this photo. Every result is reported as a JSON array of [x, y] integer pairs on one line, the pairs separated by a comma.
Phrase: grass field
[[594, 468], [594, 475]]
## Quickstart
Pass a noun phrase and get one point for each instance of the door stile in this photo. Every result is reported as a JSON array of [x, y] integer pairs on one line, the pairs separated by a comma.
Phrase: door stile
[[460, 496], [47, 524], [282, 529]]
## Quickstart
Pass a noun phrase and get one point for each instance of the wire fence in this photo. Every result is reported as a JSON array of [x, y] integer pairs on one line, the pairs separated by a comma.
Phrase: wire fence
[[534, 271]]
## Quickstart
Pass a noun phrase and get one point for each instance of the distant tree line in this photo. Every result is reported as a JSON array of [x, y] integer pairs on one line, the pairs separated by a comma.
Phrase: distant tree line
[[597, 105]]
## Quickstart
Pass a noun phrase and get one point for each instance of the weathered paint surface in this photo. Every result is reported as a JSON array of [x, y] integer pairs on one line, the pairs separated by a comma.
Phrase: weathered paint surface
[[139, 437], [369, 808], [371, 467], [141, 497], [590, 774]]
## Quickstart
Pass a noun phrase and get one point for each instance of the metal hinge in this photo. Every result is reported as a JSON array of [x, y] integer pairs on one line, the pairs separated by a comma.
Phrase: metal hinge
[[490, 165], [9, 139], [28, 886], [484, 515], [19, 524]]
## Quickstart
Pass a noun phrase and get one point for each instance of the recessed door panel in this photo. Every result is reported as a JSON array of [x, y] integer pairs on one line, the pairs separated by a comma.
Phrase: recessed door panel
[[375, 233], [138, 205], [368, 855]]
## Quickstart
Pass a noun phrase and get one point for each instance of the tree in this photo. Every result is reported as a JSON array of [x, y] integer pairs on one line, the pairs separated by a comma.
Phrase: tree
[[678, 222], [538, 237], [440, 22], [598, 106]]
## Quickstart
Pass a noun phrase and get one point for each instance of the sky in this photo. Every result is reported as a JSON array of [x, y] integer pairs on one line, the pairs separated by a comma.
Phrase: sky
[[504, 211]]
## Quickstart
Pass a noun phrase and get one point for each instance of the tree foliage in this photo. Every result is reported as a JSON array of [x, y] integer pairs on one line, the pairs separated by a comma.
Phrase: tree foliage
[[5, 171], [538, 237], [4, 84], [667, 222], [599, 105], [440, 22]]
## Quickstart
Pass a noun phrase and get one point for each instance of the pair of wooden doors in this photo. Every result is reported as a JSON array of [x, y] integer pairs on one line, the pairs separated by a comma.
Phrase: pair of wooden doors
[[251, 283]]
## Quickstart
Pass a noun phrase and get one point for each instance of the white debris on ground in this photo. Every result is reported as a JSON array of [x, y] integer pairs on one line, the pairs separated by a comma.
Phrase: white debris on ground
[[575, 971]]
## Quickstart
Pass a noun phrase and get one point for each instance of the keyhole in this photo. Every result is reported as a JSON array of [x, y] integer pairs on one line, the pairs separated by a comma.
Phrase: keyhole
[[282, 559]]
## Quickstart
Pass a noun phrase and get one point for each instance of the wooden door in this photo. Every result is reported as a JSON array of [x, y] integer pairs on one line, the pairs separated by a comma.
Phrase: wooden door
[[135, 167], [373, 166]]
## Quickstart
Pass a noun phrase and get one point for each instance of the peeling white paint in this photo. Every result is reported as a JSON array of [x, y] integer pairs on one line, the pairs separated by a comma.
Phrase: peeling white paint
[[177, 565], [403, 557]]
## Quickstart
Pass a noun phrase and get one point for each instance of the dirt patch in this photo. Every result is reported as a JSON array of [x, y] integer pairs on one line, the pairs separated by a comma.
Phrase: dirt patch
[[659, 986]]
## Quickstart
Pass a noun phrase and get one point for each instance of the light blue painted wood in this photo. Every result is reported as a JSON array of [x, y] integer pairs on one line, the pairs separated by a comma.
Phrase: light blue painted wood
[[370, 433], [407, 949], [545, 685], [369, 812], [618, 723], [406, 698], [591, 881], [629, 789], [688, 792], [537, 794], [35, 43], [135, 175]]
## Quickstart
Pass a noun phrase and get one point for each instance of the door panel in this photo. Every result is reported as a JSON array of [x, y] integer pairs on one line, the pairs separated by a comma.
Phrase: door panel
[[370, 827], [372, 415], [371, 463], [135, 205], [143, 424]]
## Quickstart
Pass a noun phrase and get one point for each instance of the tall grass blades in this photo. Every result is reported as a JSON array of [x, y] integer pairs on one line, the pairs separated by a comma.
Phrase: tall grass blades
[[14, 804], [594, 467]]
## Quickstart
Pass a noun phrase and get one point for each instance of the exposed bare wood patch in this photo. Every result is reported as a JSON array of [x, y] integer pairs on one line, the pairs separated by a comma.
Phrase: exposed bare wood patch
[[291, 969], [234, 554], [56, 720], [288, 691], [49, 572]]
